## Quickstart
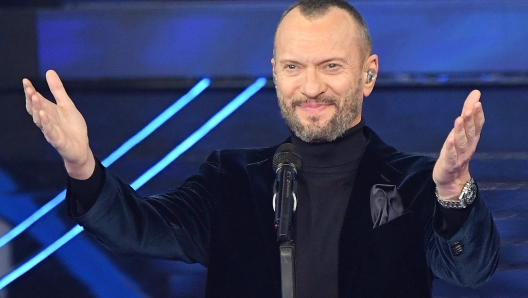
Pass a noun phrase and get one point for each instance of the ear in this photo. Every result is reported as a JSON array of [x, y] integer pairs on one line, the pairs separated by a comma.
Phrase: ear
[[273, 70], [370, 74]]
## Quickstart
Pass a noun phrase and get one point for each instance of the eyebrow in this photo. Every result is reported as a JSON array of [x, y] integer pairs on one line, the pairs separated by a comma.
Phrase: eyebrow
[[342, 60], [292, 61], [288, 61]]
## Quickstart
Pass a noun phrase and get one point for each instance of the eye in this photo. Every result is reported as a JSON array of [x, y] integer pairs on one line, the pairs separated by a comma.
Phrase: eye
[[333, 68], [291, 68]]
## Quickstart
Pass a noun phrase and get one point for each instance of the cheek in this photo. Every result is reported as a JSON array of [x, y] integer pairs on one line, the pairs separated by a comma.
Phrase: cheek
[[284, 102], [343, 86], [286, 86]]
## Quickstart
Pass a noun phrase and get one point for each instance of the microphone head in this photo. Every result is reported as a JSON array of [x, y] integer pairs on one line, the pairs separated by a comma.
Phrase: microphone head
[[286, 154]]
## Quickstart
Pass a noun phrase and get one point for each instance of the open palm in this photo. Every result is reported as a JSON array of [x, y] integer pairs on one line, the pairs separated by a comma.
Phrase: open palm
[[62, 124]]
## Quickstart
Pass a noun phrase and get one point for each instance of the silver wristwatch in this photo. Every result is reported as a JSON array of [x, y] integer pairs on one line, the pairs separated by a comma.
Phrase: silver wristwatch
[[468, 195]]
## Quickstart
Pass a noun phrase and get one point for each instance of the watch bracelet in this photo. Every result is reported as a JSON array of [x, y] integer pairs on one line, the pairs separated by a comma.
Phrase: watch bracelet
[[460, 203]]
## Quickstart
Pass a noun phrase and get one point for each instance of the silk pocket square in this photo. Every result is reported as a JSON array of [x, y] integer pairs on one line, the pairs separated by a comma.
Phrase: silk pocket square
[[385, 204]]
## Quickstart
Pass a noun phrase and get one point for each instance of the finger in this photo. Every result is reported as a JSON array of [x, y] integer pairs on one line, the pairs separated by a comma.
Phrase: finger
[[29, 104], [448, 157], [460, 137], [57, 89], [26, 83], [469, 127], [38, 103], [448, 152], [479, 118], [471, 100], [35, 109], [28, 92]]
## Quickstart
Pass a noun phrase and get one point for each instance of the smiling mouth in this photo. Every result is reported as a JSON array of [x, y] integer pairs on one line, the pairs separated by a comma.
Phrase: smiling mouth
[[320, 101], [314, 106]]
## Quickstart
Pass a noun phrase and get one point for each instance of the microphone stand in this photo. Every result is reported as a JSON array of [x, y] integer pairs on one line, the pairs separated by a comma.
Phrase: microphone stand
[[285, 203]]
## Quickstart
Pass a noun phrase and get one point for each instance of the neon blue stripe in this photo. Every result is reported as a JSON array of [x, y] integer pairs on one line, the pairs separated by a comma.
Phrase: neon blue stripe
[[200, 133], [157, 122], [110, 282], [133, 141], [177, 151], [6, 280], [21, 227]]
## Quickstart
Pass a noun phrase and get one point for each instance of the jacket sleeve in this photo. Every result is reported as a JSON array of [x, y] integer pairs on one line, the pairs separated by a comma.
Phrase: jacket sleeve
[[470, 256], [173, 225]]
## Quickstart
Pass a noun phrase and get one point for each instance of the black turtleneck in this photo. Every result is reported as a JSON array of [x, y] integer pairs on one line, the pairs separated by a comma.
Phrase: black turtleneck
[[325, 183]]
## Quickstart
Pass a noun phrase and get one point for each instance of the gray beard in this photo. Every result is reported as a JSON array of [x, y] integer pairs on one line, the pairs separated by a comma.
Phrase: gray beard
[[314, 131]]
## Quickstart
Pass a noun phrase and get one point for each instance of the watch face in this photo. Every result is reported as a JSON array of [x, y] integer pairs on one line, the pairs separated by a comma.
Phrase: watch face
[[470, 192]]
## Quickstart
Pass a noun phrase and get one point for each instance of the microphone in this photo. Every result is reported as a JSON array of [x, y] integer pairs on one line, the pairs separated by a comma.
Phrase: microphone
[[286, 163]]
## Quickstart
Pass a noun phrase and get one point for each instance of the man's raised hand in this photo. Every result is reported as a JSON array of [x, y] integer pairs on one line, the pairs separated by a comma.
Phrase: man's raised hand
[[63, 126], [451, 171]]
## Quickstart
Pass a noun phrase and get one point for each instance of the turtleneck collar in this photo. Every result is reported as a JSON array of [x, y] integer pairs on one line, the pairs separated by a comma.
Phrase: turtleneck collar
[[344, 150]]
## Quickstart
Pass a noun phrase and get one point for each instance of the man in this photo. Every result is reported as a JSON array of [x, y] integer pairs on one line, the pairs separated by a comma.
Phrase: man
[[370, 222]]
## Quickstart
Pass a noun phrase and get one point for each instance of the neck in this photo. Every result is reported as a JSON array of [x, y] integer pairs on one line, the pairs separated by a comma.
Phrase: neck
[[343, 150]]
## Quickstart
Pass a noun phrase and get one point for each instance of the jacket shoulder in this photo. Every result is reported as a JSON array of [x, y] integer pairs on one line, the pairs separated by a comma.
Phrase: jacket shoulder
[[245, 156], [401, 161]]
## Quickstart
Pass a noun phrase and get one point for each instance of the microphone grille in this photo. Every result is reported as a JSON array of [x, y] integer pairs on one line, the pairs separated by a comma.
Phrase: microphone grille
[[286, 154]]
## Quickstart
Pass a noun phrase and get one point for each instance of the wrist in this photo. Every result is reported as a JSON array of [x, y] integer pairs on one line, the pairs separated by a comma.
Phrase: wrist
[[452, 190], [81, 170], [466, 197]]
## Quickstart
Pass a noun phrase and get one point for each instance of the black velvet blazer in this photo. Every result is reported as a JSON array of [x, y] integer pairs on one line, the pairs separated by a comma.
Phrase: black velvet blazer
[[222, 217]]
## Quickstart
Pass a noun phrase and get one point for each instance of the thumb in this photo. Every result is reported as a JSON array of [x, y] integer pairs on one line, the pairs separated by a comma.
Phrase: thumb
[[57, 89]]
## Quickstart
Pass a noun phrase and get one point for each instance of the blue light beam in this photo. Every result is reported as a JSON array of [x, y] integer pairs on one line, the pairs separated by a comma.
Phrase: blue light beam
[[157, 122], [110, 282], [6, 280], [144, 178], [200, 132], [119, 152]]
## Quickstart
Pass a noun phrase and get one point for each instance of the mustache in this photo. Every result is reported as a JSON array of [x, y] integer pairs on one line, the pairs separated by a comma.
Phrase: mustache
[[326, 100]]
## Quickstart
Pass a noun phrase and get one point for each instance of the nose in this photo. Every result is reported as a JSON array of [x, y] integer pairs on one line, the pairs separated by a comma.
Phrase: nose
[[313, 84]]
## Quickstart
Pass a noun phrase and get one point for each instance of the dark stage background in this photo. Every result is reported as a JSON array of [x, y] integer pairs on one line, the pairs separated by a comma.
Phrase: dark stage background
[[125, 62]]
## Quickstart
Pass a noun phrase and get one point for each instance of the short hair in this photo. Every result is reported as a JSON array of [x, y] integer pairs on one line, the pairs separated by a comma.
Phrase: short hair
[[318, 8]]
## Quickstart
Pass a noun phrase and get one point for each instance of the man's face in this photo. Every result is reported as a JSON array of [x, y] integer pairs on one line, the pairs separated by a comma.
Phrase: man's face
[[318, 67]]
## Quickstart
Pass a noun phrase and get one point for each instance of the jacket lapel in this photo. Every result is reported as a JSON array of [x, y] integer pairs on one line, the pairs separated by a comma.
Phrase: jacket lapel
[[262, 179], [373, 169]]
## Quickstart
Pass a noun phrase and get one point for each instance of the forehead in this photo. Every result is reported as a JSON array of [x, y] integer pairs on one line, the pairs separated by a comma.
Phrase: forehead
[[335, 32]]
